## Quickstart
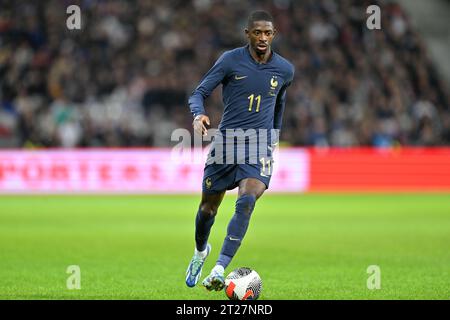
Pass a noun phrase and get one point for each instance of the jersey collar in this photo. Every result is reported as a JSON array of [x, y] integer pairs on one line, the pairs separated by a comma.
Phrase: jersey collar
[[247, 50]]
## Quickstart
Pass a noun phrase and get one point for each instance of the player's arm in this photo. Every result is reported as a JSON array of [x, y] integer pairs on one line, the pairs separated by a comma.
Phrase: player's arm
[[280, 105], [278, 114], [196, 101]]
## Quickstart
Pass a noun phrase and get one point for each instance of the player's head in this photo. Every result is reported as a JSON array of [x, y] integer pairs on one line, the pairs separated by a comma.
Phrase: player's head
[[260, 31]]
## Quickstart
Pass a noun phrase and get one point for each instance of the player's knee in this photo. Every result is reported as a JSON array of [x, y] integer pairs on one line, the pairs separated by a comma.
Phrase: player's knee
[[246, 203], [208, 210]]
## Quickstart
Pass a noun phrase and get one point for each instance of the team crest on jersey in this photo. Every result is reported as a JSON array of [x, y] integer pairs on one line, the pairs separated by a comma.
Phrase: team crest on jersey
[[273, 85]]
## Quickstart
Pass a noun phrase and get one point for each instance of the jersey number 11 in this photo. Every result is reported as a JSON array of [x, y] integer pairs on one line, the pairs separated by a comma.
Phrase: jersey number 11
[[252, 98]]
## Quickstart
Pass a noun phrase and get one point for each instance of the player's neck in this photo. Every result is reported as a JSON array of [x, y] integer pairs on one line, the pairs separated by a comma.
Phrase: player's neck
[[261, 58]]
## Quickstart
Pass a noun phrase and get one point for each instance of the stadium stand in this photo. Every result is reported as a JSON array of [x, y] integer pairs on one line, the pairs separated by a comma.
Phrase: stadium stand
[[124, 78]]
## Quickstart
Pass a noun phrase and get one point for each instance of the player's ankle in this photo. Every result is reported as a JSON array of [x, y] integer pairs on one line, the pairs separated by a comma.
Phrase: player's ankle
[[218, 269], [201, 254]]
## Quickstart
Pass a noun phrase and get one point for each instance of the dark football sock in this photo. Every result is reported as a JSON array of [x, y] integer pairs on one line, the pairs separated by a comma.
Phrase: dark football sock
[[203, 224], [236, 229]]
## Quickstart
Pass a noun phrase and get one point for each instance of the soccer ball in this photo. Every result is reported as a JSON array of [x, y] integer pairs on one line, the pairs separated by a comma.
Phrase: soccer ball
[[243, 284]]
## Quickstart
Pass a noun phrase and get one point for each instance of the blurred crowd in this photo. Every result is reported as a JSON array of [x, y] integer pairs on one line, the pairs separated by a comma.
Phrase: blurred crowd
[[125, 77]]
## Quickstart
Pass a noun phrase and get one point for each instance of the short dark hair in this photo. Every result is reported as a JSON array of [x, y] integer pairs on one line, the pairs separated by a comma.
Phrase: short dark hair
[[259, 15]]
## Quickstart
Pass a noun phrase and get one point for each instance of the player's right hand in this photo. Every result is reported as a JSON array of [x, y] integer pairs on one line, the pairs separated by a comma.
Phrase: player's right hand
[[199, 124]]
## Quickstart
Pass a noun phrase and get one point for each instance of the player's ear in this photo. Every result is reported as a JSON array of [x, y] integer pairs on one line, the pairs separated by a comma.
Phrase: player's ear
[[247, 33]]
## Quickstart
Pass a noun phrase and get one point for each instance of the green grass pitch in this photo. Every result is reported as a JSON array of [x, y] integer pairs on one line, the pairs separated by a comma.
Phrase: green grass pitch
[[310, 246]]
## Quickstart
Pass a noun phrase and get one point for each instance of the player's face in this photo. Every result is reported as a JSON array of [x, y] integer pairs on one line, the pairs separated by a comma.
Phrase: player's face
[[260, 36]]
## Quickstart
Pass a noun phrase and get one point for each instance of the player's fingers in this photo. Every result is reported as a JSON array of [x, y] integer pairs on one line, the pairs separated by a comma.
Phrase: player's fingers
[[207, 121], [198, 129], [204, 130]]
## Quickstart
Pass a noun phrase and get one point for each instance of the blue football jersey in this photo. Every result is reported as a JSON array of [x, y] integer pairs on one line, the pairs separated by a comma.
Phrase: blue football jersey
[[253, 93]]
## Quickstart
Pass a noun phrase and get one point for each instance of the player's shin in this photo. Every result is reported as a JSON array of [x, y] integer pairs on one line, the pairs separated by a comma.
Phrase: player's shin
[[236, 229], [203, 223]]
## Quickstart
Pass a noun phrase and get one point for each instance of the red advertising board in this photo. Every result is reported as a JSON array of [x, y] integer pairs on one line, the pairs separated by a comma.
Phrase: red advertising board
[[387, 170]]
